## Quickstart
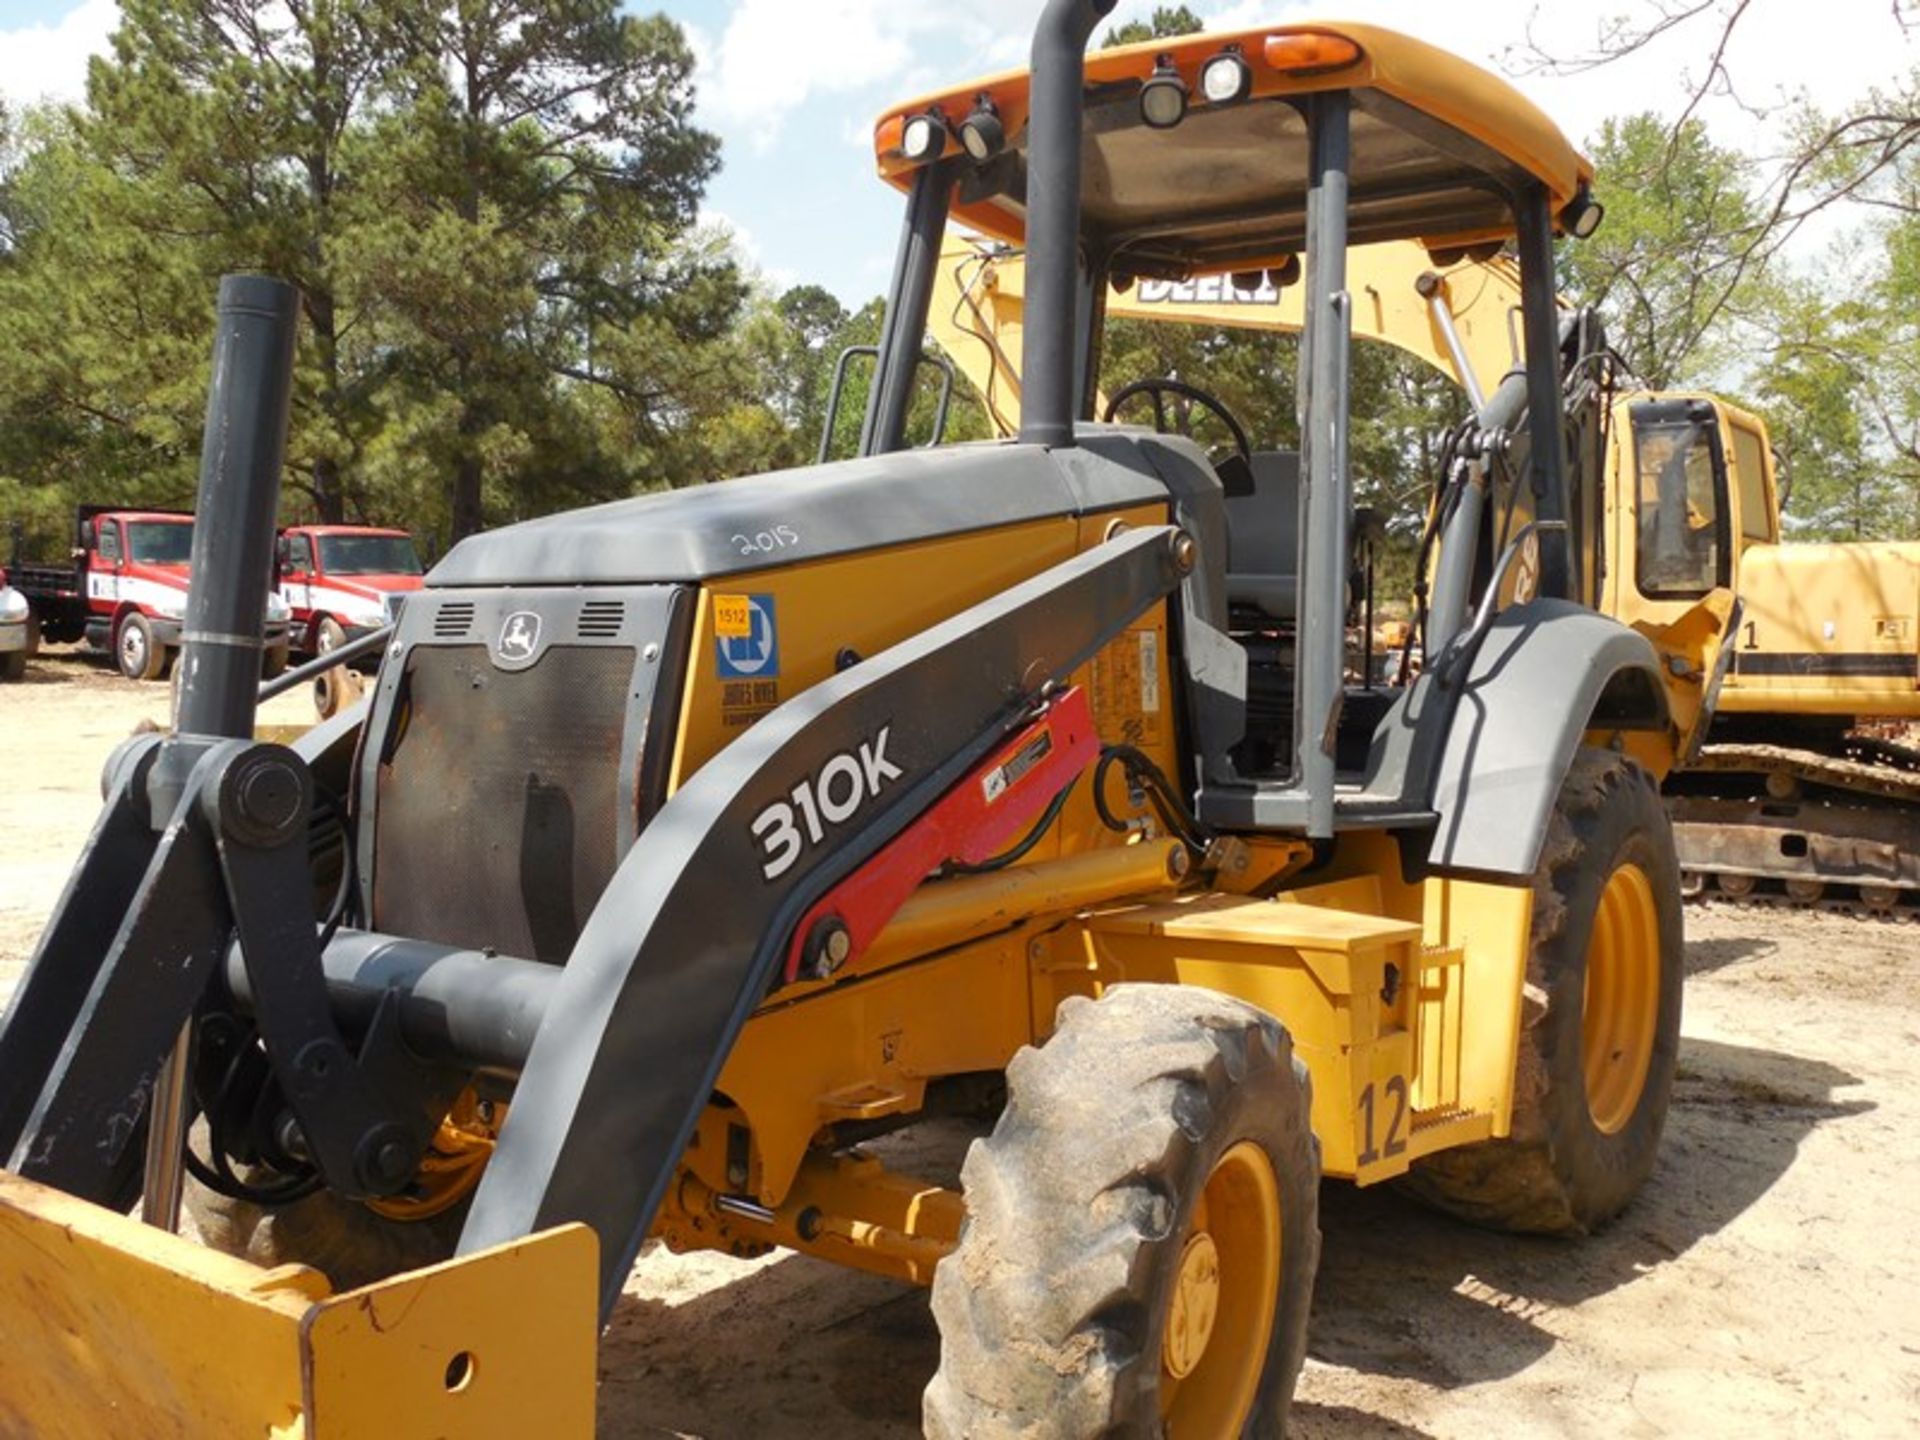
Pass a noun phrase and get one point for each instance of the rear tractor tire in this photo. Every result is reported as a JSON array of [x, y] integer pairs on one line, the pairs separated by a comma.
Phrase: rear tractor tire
[[1142, 1231], [1600, 1028]]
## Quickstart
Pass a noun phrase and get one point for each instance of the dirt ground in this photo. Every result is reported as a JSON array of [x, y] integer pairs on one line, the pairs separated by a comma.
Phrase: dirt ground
[[1766, 1283]]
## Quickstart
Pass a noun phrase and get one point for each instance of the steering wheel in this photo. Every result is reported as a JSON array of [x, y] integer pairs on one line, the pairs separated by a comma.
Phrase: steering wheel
[[1160, 387]]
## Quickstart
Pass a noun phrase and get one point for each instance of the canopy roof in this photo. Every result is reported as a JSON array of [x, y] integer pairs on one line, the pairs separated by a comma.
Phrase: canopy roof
[[1438, 145]]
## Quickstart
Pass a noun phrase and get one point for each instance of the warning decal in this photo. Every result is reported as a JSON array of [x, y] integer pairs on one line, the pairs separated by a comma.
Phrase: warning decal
[[1126, 688]]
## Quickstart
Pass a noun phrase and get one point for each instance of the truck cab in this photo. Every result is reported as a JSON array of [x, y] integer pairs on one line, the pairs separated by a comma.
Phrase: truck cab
[[342, 581]]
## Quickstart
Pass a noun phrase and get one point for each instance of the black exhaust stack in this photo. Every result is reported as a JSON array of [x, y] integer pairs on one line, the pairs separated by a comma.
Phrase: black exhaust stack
[[237, 513], [1049, 396]]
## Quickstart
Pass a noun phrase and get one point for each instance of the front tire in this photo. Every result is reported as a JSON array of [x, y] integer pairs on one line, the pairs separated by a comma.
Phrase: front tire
[[1601, 1027], [139, 655], [13, 665], [328, 634], [1142, 1231]]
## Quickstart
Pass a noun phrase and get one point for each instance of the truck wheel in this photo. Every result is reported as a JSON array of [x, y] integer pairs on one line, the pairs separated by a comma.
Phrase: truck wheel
[[328, 635], [33, 634], [273, 661], [1142, 1231], [13, 665], [139, 655], [1600, 1031]]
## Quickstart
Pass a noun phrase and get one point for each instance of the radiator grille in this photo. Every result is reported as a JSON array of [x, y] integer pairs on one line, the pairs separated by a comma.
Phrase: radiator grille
[[453, 619], [602, 619], [497, 818]]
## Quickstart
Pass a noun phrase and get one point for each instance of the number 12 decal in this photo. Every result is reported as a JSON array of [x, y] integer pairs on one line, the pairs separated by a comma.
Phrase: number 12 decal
[[1396, 1140]]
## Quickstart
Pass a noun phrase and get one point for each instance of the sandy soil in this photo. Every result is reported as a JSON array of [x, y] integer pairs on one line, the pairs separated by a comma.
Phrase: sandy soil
[[1764, 1284]]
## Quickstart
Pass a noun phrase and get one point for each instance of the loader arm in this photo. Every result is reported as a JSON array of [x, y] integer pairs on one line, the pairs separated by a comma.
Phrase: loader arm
[[698, 919]]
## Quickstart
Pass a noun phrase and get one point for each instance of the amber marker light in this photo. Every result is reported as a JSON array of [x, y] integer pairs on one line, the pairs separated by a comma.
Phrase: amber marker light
[[1311, 53]]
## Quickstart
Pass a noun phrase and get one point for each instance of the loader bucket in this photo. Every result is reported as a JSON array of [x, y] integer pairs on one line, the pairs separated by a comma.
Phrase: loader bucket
[[111, 1327]]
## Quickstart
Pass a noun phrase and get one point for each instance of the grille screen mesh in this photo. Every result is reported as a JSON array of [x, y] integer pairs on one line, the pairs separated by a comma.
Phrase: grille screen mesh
[[498, 802]]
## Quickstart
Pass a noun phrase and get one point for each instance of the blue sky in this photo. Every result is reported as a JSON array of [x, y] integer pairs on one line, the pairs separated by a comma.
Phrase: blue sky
[[793, 86]]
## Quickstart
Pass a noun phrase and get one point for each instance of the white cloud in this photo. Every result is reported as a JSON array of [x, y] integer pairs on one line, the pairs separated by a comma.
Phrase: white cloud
[[774, 54], [1767, 57], [746, 249], [49, 61]]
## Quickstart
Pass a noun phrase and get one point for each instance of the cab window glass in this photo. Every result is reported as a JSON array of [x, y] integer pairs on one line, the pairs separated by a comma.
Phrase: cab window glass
[[109, 541], [299, 554], [1750, 459], [1678, 507]]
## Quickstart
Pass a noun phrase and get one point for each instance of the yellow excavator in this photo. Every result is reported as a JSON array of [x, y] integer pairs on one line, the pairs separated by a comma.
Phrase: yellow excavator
[[684, 845], [1791, 796]]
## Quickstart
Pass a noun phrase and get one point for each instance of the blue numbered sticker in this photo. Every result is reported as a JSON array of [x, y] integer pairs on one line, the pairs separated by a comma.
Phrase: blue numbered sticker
[[746, 640]]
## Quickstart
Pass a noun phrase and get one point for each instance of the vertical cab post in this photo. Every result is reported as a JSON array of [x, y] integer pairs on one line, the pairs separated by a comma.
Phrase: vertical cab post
[[1325, 499], [904, 326], [1050, 355], [1541, 327]]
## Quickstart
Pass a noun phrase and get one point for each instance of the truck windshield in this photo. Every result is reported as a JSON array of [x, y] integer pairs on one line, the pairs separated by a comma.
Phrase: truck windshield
[[368, 555], [160, 542]]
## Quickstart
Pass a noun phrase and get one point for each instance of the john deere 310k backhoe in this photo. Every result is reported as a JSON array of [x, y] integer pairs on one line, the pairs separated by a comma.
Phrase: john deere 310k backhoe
[[686, 843]]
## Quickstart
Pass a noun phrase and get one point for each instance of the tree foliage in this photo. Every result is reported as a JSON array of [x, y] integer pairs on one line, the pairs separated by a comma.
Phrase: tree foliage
[[1167, 22], [1705, 269], [488, 210], [1671, 267]]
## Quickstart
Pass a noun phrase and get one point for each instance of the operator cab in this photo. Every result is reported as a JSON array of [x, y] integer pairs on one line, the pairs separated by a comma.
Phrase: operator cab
[[1262, 156]]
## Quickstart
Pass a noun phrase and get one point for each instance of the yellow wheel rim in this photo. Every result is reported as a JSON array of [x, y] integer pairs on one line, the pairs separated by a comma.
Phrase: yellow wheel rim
[[1621, 1008], [1220, 1315]]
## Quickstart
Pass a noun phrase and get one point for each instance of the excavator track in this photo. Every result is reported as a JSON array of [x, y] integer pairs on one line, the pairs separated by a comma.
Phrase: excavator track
[[1778, 825]]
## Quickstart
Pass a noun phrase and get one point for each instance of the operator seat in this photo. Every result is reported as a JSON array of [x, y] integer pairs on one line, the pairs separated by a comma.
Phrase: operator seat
[[1263, 537]]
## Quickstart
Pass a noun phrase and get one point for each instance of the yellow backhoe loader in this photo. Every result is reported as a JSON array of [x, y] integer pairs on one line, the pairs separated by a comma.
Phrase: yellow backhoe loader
[[1790, 797], [683, 845]]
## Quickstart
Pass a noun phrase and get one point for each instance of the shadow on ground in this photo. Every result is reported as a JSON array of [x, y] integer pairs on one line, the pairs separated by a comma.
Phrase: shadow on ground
[[1408, 1293], [800, 1349], [1706, 956], [69, 665]]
